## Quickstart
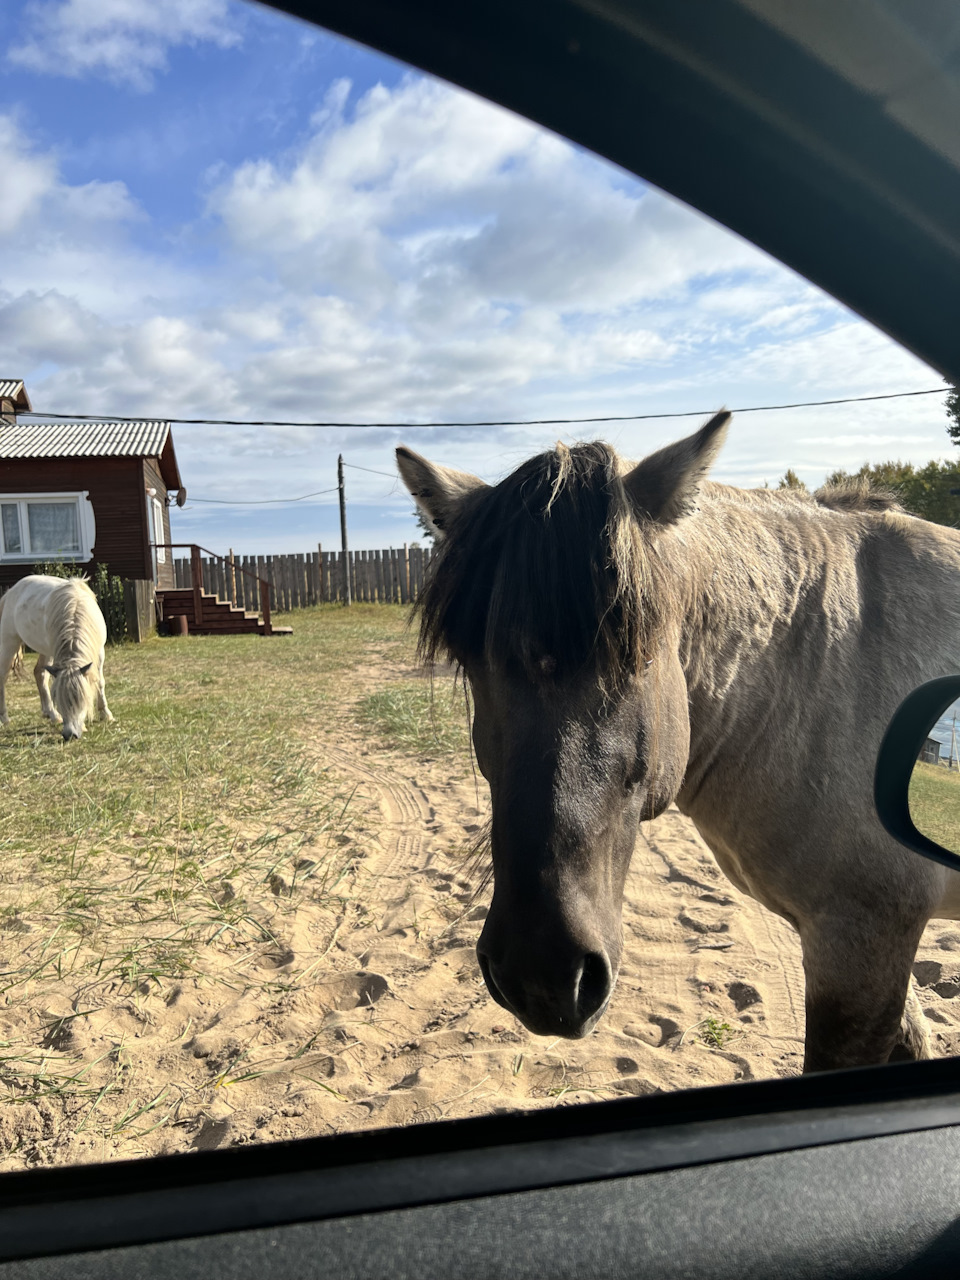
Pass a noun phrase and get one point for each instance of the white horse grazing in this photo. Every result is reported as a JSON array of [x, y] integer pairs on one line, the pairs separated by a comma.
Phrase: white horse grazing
[[60, 619]]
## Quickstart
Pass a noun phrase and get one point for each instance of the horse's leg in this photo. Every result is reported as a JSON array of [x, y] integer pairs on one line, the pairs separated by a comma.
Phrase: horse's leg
[[102, 709], [40, 675], [860, 1007], [8, 653], [913, 1040]]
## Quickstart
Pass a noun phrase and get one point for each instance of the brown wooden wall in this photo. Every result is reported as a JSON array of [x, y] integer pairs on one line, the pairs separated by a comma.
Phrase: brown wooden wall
[[117, 491]]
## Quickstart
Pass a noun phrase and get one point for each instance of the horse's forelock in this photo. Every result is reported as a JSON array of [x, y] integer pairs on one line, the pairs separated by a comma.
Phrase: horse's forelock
[[73, 617], [551, 562], [73, 691]]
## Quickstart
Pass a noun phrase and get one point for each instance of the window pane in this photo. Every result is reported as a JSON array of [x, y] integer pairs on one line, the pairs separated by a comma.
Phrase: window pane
[[158, 532], [11, 527], [53, 527]]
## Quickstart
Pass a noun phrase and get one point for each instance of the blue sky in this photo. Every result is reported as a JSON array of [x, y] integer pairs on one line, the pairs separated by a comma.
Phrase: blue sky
[[210, 209]]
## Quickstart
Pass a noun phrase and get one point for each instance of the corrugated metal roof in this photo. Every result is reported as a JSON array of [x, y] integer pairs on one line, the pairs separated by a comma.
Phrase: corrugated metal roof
[[13, 389], [83, 439]]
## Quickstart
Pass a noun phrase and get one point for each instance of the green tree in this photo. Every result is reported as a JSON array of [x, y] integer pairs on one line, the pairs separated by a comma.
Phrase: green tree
[[791, 481], [953, 413], [424, 524], [925, 490]]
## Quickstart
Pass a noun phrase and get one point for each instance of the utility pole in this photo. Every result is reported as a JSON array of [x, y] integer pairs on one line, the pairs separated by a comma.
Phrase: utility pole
[[343, 531]]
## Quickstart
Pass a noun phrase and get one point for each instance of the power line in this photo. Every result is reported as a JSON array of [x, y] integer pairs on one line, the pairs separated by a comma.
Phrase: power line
[[498, 422], [261, 502], [391, 475]]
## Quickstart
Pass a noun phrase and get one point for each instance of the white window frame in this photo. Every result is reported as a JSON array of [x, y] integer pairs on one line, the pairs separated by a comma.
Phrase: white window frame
[[86, 527], [159, 533]]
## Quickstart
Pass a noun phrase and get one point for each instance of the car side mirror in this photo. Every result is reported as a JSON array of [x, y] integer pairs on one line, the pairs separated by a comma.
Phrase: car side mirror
[[917, 780]]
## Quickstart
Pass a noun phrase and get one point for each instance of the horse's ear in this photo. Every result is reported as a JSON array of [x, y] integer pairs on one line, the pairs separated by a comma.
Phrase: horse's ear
[[437, 491], [664, 487], [84, 670]]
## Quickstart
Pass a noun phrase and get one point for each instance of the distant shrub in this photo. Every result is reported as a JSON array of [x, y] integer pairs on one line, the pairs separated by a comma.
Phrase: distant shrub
[[107, 589], [109, 593], [928, 491], [60, 569]]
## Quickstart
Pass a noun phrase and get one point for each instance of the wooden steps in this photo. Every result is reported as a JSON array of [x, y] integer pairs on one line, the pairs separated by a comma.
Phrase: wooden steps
[[217, 617]]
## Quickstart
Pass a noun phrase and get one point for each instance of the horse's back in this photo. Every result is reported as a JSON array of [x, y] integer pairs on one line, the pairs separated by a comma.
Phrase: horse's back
[[35, 608]]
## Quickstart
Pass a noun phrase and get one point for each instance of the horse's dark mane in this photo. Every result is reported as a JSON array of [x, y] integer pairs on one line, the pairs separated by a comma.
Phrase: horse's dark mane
[[857, 494], [549, 564]]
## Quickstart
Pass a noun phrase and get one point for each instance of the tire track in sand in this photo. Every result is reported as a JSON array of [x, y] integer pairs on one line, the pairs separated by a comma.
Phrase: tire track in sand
[[405, 810]]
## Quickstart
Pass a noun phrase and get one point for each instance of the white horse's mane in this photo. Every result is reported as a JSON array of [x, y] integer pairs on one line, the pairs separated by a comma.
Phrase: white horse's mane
[[74, 623]]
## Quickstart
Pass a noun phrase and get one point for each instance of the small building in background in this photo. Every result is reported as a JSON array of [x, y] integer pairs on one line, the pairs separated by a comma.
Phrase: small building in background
[[930, 752], [85, 493]]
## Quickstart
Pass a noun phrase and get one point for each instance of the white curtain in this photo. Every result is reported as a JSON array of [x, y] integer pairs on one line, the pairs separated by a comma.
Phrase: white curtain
[[53, 527]]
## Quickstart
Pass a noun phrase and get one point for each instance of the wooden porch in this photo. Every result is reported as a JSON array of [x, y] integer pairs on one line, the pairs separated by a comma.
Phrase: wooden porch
[[192, 610]]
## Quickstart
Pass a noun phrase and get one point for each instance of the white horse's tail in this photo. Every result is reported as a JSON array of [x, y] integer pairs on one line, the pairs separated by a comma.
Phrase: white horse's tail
[[17, 665]]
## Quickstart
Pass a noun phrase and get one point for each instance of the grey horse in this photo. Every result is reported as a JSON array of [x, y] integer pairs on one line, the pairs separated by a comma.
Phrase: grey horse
[[636, 634]]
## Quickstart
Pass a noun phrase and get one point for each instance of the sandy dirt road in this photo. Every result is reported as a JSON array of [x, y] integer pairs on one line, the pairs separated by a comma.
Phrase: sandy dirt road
[[368, 1009]]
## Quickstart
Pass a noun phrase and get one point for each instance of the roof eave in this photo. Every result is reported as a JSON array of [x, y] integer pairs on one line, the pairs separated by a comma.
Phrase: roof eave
[[169, 468]]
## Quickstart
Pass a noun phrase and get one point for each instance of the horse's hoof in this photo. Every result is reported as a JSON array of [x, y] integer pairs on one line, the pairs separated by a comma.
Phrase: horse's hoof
[[108, 717]]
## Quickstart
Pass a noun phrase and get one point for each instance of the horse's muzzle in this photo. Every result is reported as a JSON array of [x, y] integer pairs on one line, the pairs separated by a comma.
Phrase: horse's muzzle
[[568, 1003]]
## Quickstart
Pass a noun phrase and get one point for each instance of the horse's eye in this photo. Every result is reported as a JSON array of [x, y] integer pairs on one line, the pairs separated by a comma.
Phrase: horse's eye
[[632, 779], [648, 664]]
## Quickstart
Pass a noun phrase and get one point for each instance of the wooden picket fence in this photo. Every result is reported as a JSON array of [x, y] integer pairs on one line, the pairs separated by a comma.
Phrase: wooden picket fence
[[393, 576]]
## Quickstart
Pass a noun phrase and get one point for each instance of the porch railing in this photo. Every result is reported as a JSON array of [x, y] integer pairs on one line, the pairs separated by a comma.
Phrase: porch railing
[[196, 575]]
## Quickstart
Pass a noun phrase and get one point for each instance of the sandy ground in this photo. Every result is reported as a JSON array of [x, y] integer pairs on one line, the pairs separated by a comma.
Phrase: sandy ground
[[388, 1021]]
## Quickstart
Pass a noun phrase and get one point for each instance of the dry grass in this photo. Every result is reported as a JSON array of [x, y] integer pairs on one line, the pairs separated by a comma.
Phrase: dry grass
[[164, 847], [935, 804]]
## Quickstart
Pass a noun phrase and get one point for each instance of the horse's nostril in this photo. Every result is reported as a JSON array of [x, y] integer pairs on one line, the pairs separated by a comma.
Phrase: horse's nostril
[[593, 990], [492, 986]]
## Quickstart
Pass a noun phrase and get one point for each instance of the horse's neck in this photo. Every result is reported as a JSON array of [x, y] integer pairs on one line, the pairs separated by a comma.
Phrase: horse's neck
[[757, 591]]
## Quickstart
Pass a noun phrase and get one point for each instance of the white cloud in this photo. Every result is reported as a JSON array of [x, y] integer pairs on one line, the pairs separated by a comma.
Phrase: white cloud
[[465, 203], [125, 41], [44, 328], [27, 178], [847, 354], [421, 255], [843, 440], [70, 240]]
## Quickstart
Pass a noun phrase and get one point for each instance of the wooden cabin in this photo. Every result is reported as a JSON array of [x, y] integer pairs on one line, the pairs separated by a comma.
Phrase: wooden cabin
[[85, 492]]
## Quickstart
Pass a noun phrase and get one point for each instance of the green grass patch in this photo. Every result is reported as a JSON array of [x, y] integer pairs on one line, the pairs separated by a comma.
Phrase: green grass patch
[[161, 843], [934, 800], [717, 1034], [421, 717]]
